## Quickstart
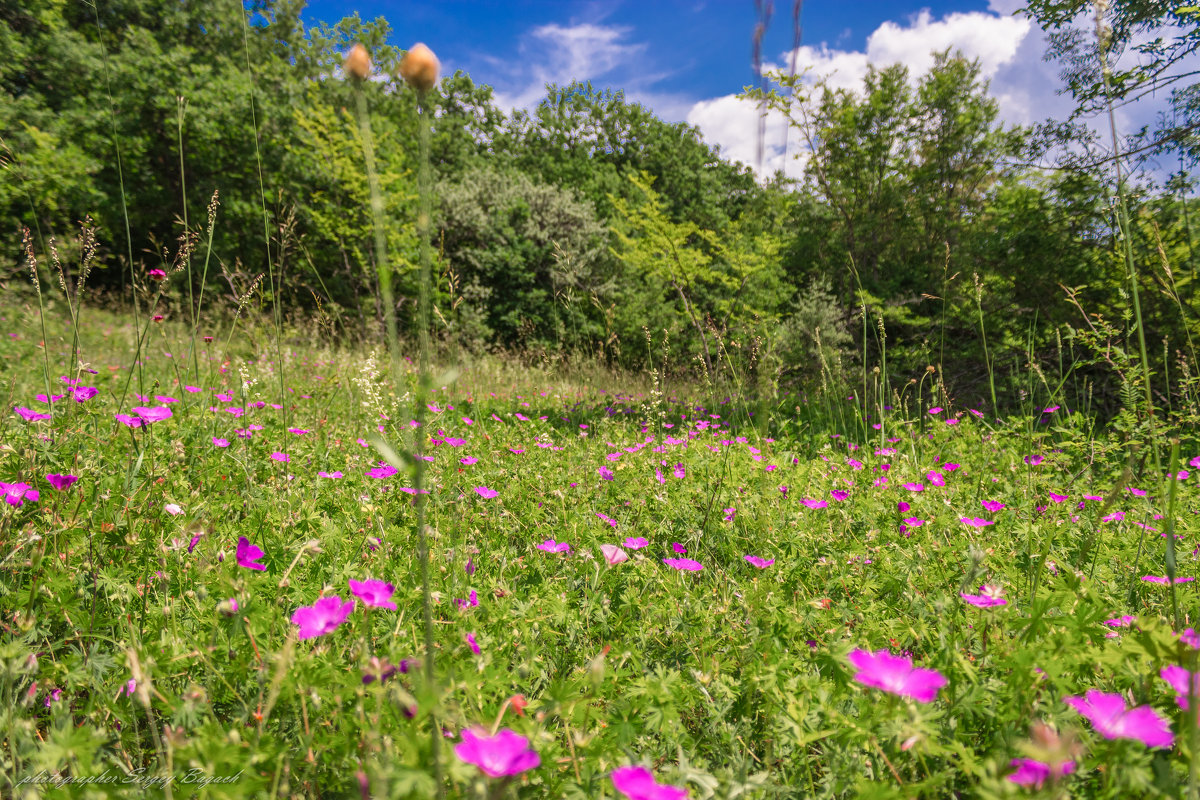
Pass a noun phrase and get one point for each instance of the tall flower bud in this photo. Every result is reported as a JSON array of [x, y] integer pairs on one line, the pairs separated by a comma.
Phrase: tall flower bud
[[419, 67], [358, 62]]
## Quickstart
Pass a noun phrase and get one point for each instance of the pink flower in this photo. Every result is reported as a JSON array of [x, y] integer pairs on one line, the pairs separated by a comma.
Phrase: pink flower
[[219, 442], [729, 514], [896, 674], [1058, 498], [1035, 773], [249, 554], [761, 563], [679, 471], [605, 473], [1163, 581], [613, 554], [992, 505], [838, 494], [470, 637], [154, 414], [486, 493], [1177, 677], [636, 542], [61, 482], [611, 522], [1111, 720], [678, 548], [322, 617], [551, 546], [468, 460], [15, 494], [283, 457], [1033, 461], [687, 564], [914, 487], [976, 522], [173, 509], [814, 503], [127, 420], [988, 597], [506, 753], [374, 593], [637, 783], [29, 415]]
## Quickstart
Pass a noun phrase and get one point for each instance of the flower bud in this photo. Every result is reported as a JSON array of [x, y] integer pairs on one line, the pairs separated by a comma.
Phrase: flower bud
[[357, 63], [419, 67]]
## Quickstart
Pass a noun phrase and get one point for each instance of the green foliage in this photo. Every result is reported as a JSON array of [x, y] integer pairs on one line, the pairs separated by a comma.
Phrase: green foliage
[[523, 261]]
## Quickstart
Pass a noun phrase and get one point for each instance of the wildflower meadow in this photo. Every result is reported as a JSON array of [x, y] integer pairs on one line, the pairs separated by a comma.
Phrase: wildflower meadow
[[469, 546]]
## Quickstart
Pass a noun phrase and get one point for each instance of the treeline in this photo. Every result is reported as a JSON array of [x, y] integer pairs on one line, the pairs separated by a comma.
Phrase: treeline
[[587, 226]]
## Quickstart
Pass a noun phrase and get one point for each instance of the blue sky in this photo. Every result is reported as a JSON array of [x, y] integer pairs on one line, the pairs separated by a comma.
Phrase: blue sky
[[696, 48], [688, 59]]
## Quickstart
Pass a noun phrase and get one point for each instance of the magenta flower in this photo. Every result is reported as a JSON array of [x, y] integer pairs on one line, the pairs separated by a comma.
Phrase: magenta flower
[[283, 457], [637, 783], [678, 471], [1120, 622], [761, 563], [84, 393], [506, 753], [61, 482], [29, 415], [814, 504], [157, 275], [551, 546], [249, 554], [1035, 773], [678, 548], [1163, 581], [976, 522], [896, 675], [1111, 720], [381, 472], [992, 505], [331, 475], [988, 597], [152, 414], [729, 514], [468, 460], [470, 637], [15, 494], [611, 522], [683, 564], [838, 494], [374, 593], [914, 487], [1177, 677], [219, 442], [605, 473], [1058, 498], [322, 617], [1033, 461], [613, 554], [935, 477], [485, 492], [127, 420], [636, 542]]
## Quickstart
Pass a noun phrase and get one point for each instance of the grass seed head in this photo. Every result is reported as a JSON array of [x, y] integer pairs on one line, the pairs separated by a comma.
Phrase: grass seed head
[[419, 67]]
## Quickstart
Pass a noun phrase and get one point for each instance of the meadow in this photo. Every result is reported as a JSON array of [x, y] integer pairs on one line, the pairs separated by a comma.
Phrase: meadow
[[441, 527], [212, 585]]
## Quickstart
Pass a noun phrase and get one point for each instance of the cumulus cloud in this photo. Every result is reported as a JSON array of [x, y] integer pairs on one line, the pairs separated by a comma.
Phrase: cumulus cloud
[[998, 42]]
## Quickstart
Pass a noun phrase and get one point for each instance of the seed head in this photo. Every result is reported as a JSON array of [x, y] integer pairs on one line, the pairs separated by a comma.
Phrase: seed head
[[358, 62], [419, 67]]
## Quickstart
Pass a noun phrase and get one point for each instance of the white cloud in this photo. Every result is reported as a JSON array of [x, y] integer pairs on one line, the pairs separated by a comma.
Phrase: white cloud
[[998, 42], [563, 53]]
